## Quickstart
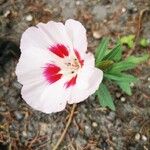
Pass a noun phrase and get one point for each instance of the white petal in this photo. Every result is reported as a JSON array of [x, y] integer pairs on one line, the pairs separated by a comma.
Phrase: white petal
[[56, 33], [77, 34], [30, 65], [86, 85], [33, 37], [44, 97], [89, 60]]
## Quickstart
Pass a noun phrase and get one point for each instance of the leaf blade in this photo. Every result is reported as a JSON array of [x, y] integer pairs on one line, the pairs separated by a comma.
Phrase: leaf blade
[[129, 63], [105, 98], [100, 51], [114, 52], [125, 86], [121, 77]]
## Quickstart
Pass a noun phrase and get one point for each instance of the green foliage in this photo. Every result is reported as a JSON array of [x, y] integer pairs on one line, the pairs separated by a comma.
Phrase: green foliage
[[120, 77], [105, 64], [125, 86], [128, 40], [144, 42], [129, 63], [114, 67], [104, 97], [100, 51], [114, 54]]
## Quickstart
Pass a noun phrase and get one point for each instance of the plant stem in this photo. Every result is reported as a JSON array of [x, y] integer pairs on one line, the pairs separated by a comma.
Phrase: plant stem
[[66, 128]]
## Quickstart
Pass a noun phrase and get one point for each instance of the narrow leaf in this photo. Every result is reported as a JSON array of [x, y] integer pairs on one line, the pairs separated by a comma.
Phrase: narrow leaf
[[130, 63], [118, 56], [138, 60], [100, 51], [105, 98], [114, 52], [122, 77], [125, 86], [103, 65]]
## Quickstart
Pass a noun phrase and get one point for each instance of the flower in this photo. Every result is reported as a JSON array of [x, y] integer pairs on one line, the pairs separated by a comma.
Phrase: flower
[[54, 67]]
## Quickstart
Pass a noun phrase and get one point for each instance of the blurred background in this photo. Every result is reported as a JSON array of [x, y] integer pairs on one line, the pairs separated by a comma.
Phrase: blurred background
[[93, 127]]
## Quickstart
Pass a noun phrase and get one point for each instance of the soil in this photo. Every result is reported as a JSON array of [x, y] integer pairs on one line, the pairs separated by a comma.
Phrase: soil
[[93, 127]]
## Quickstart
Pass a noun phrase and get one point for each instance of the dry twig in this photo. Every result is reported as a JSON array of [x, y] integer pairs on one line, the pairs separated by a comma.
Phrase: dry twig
[[66, 128]]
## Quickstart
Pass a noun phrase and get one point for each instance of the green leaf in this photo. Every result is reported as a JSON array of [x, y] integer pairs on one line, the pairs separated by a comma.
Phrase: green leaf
[[125, 86], [144, 42], [118, 56], [121, 77], [128, 40], [114, 54], [138, 60], [104, 97], [100, 51], [130, 63], [105, 64]]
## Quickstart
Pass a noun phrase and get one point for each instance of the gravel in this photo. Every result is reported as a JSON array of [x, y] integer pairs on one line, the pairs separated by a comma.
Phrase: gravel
[[92, 126]]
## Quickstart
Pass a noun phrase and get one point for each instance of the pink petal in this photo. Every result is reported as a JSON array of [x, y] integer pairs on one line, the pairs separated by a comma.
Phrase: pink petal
[[77, 34], [30, 66], [44, 97], [86, 85], [56, 33], [34, 38]]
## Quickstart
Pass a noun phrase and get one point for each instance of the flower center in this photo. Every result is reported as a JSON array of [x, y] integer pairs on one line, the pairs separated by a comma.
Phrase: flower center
[[67, 66], [73, 66]]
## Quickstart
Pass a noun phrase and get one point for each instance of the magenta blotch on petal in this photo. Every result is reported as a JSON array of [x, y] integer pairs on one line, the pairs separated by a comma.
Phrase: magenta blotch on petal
[[51, 73], [71, 82], [59, 50]]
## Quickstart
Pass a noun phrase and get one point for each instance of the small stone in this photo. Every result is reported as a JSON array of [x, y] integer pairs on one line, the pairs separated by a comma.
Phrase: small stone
[[144, 138], [2, 109], [29, 18], [123, 10], [148, 78], [2, 79], [7, 13], [137, 136], [24, 133], [43, 128], [123, 99], [94, 124], [132, 7], [111, 116], [97, 35], [19, 116], [118, 95], [111, 148], [135, 9], [149, 86], [77, 2], [87, 130], [114, 138]]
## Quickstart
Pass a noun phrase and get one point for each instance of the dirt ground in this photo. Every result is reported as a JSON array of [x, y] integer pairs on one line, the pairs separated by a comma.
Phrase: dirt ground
[[93, 127]]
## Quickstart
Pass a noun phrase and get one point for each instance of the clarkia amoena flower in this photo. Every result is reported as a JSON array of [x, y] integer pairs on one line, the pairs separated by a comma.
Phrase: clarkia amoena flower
[[54, 67]]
